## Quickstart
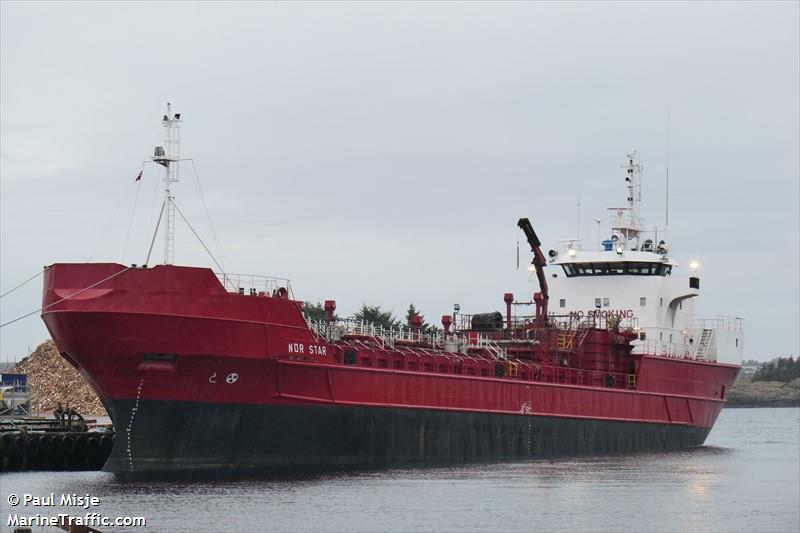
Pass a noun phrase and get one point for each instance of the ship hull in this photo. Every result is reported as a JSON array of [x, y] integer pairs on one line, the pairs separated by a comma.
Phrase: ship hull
[[169, 436], [199, 379]]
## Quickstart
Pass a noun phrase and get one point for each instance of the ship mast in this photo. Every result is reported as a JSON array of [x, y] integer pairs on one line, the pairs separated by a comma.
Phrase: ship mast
[[168, 156], [626, 222]]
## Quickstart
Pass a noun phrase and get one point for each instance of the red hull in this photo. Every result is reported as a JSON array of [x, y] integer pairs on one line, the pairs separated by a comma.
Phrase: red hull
[[174, 334]]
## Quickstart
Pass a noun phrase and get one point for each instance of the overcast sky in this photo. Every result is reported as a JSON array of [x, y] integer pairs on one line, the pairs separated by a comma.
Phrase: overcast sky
[[382, 153]]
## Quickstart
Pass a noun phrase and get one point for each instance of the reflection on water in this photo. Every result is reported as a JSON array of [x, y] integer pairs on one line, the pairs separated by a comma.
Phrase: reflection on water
[[745, 479]]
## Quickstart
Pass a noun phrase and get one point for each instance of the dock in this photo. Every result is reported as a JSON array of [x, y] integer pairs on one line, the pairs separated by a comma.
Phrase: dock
[[36, 443]]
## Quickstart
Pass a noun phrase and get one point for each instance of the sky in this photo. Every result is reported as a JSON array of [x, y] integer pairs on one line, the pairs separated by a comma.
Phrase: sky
[[382, 153]]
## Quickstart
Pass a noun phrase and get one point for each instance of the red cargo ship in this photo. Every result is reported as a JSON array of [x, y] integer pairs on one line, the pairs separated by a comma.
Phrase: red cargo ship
[[205, 371]]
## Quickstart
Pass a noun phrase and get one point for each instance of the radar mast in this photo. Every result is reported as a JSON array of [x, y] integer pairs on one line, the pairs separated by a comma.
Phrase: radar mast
[[626, 226], [168, 156]]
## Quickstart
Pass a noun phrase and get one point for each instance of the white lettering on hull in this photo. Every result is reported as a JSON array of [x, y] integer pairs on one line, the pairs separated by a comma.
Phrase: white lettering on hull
[[313, 349], [593, 313]]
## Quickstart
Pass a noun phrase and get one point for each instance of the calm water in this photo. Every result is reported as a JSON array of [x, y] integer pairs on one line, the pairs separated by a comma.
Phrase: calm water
[[747, 478]]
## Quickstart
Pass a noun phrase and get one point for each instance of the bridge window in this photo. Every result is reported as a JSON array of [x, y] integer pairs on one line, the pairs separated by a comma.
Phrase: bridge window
[[606, 302], [643, 301], [562, 302], [617, 269]]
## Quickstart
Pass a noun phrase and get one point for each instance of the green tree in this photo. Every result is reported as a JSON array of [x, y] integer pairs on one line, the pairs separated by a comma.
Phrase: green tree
[[426, 327], [411, 313], [783, 369], [373, 313], [315, 311]]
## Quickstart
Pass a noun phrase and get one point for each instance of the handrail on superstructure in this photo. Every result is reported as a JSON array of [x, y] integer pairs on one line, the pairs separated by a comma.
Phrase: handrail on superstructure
[[720, 322], [254, 284]]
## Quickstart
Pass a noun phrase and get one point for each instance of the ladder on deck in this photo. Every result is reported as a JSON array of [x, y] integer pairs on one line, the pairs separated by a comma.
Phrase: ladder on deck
[[703, 344]]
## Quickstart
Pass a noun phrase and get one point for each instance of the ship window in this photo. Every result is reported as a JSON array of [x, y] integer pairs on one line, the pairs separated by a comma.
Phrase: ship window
[[661, 302], [737, 342], [606, 302], [643, 301], [617, 269], [597, 302], [680, 305], [562, 302]]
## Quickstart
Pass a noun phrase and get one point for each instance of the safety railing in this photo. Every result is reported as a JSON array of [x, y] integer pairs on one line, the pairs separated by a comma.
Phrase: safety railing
[[252, 284], [384, 336], [481, 342], [719, 322], [603, 319], [670, 349]]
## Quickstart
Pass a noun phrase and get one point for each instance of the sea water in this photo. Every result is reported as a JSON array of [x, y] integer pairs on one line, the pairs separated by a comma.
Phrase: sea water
[[746, 478]]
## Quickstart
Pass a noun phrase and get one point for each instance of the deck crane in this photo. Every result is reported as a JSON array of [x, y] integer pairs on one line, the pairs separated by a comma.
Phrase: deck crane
[[539, 262]]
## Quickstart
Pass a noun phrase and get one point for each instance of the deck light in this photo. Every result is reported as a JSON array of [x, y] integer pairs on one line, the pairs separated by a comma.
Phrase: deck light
[[619, 250], [694, 265], [571, 252]]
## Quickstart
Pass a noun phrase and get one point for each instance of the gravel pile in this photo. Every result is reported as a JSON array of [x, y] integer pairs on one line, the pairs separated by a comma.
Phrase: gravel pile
[[51, 379]]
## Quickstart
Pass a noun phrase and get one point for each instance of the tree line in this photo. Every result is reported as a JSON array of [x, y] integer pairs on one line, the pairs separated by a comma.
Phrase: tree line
[[783, 369]]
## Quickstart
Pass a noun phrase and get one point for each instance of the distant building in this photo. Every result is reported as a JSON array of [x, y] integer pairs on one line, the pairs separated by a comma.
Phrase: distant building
[[14, 398], [749, 368]]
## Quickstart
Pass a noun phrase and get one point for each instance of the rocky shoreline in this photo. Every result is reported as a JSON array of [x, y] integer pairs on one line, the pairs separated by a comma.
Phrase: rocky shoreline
[[748, 393]]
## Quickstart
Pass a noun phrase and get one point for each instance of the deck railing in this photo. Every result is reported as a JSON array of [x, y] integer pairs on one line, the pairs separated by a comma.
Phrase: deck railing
[[719, 322], [384, 336], [253, 284]]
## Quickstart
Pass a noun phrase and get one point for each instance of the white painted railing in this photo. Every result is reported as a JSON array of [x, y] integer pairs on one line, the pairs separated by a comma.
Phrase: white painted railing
[[253, 284], [720, 322]]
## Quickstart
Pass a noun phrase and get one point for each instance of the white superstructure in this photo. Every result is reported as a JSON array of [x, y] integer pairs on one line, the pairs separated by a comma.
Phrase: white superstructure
[[631, 279]]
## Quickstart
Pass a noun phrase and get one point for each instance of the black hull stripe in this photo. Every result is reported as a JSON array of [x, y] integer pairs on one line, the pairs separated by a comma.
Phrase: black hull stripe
[[183, 436]]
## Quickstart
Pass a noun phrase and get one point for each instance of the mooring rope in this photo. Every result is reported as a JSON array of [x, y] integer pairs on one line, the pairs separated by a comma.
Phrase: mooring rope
[[133, 212], [178, 209], [220, 250], [21, 284], [74, 294]]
